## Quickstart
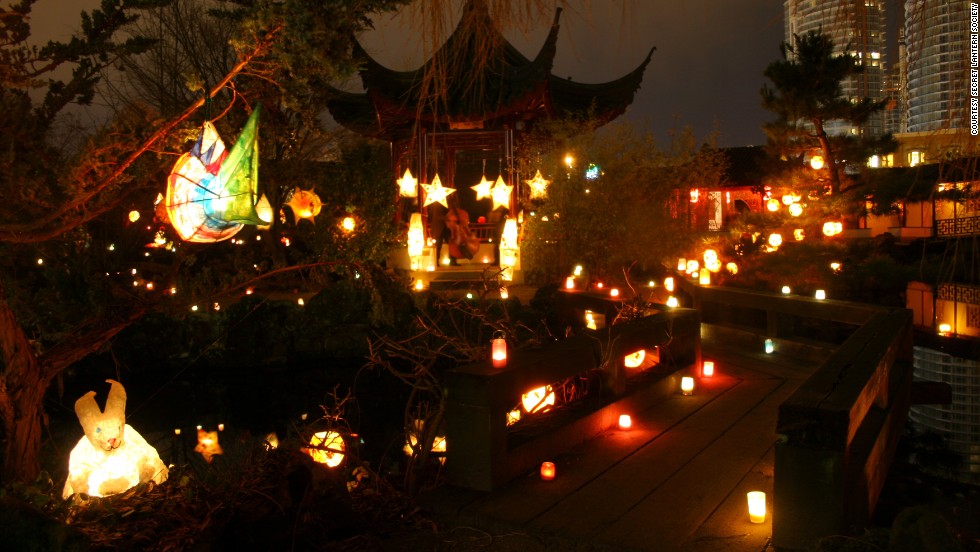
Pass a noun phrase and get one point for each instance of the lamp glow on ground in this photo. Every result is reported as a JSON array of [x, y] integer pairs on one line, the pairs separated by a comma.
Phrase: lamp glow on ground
[[757, 506]]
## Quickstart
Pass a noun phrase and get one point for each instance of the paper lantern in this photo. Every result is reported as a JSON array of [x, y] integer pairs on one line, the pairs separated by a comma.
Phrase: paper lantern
[[672, 302], [614, 292], [416, 235], [710, 256], [732, 268], [436, 192], [569, 282], [687, 385], [944, 329], [111, 457], [330, 448], [207, 444], [483, 188], [547, 471], [513, 417], [305, 204], [669, 283], [504, 294], [775, 240], [625, 422], [681, 264], [820, 295], [538, 400], [704, 278], [770, 346], [508, 238], [816, 162], [498, 354], [708, 368], [500, 194], [538, 186], [796, 209], [692, 266], [832, 228], [757, 506], [578, 270], [634, 360], [786, 290], [408, 185], [772, 205]]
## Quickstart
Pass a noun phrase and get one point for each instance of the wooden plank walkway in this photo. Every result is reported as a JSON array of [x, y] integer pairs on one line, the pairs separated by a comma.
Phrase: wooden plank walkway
[[676, 481]]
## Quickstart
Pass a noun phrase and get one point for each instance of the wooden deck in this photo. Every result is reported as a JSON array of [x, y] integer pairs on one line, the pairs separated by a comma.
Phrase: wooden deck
[[676, 481]]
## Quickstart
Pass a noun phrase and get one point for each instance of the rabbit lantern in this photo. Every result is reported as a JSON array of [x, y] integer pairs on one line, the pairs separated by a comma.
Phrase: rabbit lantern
[[111, 457]]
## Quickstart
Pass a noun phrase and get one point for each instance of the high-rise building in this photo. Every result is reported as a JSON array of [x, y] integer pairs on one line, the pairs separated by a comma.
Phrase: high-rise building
[[858, 27], [937, 46]]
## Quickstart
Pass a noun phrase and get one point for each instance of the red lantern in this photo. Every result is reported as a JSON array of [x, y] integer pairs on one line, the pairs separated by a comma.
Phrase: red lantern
[[547, 471], [498, 352]]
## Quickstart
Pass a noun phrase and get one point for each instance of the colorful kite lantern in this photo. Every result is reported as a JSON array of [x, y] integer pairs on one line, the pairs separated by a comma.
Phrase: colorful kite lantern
[[111, 457], [436, 193], [305, 204], [212, 192]]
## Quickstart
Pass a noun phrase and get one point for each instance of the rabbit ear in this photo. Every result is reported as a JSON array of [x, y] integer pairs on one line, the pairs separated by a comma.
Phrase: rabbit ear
[[88, 412], [115, 405]]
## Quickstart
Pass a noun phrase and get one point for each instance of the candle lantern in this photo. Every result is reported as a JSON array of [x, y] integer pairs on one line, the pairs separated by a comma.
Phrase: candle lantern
[[708, 368], [786, 290], [547, 471], [681, 264], [669, 283], [498, 352], [570, 282], [687, 385], [770, 346], [704, 277], [757, 506], [820, 295], [625, 422]]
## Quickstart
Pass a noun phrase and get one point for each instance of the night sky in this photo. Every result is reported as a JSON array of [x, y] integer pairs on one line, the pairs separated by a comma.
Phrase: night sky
[[706, 72]]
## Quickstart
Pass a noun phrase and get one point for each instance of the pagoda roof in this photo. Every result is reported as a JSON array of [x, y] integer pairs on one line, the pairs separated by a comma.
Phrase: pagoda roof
[[505, 88]]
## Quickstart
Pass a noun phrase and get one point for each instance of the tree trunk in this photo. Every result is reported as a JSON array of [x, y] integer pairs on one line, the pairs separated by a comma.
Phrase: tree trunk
[[830, 156]]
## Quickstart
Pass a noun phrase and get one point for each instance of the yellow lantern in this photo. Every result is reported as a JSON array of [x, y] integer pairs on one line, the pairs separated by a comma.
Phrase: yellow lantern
[[681, 264], [704, 277], [330, 448], [570, 282], [672, 302], [513, 417], [538, 400], [408, 185], [669, 283], [732, 268], [772, 205], [692, 267], [816, 162], [416, 235], [796, 209], [538, 186], [547, 471], [687, 385], [634, 360], [775, 240], [111, 457], [708, 368], [625, 422], [757, 506], [347, 224], [799, 234]]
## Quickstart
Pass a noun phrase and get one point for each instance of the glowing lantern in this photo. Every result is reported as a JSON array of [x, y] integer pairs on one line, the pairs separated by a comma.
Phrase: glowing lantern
[[513, 417], [772, 205], [347, 224], [820, 295], [672, 302], [770, 346], [787, 200], [503, 293], [305, 204], [692, 267], [538, 186], [732, 268], [832, 228], [944, 329], [816, 162], [408, 185], [634, 360], [835, 266], [625, 422], [500, 193], [570, 282], [614, 292], [207, 444], [710, 256], [436, 192], [796, 209], [704, 277], [498, 352], [508, 238], [483, 188], [695, 195], [708, 368], [329, 448], [264, 211], [669, 283], [538, 400], [687, 385], [799, 234], [547, 471], [786, 290], [681, 264], [578, 270], [775, 240], [416, 236], [757, 506], [134, 216], [111, 457]]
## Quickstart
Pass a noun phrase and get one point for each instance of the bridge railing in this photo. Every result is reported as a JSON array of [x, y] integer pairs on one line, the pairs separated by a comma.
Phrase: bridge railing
[[484, 453], [837, 434]]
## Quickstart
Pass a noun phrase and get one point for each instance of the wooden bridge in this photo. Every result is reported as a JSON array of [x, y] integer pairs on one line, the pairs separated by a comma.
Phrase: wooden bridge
[[813, 425]]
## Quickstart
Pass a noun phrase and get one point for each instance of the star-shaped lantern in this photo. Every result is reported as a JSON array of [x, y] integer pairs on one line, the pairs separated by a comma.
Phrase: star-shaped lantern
[[501, 194], [483, 188], [408, 185], [436, 193], [539, 186]]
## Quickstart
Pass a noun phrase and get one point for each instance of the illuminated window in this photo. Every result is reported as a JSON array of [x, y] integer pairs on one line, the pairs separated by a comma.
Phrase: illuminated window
[[916, 157]]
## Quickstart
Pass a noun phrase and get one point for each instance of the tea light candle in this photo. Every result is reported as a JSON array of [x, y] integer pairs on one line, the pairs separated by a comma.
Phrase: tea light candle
[[820, 295], [687, 385], [757, 506], [625, 422], [708, 368], [547, 471]]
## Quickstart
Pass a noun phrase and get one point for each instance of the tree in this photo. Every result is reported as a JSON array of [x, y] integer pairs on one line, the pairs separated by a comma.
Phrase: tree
[[65, 284], [806, 94]]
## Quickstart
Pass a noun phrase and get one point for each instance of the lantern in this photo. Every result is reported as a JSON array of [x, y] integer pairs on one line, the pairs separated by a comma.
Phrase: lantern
[[538, 186], [669, 283], [625, 422], [692, 266], [538, 400], [513, 417], [835, 266], [207, 444], [681, 264], [796, 209], [408, 185], [416, 236], [772, 205], [944, 329], [329, 448], [687, 385], [708, 368], [614, 292], [816, 162], [786, 290], [547, 471], [775, 240], [634, 360], [482, 189], [732, 268], [770, 346], [578, 270], [820, 295], [704, 277], [672, 302], [498, 354], [503, 293], [799, 234], [347, 224], [436, 192], [500, 194], [111, 457], [304, 204], [570, 282], [757, 506]]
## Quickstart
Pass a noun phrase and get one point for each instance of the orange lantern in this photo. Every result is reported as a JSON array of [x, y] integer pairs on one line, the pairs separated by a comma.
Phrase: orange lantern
[[498, 352], [547, 471], [708, 368], [687, 385], [757, 506], [625, 422]]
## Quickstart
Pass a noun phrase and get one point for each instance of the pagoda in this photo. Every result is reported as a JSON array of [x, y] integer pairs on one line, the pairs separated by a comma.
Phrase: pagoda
[[462, 113]]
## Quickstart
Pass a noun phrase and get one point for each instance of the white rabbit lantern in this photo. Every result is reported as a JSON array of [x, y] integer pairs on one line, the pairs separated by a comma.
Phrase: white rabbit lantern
[[111, 457]]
